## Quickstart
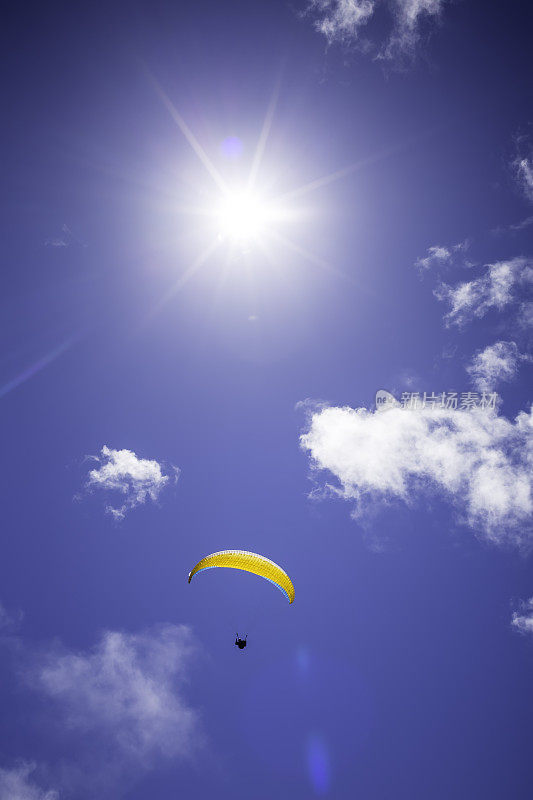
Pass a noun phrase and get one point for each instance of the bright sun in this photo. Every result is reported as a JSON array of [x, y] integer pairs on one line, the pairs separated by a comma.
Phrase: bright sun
[[243, 217], [240, 215]]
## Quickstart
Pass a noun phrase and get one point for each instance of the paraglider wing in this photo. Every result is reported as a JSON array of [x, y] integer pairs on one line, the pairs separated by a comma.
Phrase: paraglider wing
[[249, 562]]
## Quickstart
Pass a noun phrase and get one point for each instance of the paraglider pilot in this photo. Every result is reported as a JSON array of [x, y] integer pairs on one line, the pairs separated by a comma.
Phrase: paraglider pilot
[[241, 643]]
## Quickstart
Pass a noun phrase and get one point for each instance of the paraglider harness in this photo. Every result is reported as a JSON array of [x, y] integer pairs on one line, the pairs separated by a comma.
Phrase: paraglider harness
[[241, 643]]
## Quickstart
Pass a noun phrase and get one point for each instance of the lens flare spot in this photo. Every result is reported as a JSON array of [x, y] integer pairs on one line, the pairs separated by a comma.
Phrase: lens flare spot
[[318, 765]]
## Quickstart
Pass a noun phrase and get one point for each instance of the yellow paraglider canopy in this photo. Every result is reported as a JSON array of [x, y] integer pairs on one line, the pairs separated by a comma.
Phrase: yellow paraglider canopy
[[249, 562]]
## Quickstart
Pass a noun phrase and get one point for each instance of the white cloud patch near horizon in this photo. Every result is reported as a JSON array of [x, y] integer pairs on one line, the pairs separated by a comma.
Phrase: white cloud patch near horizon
[[16, 784], [496, 289], [137, 479], [481, 462], [522, 619], [341, 21], [498, 362]]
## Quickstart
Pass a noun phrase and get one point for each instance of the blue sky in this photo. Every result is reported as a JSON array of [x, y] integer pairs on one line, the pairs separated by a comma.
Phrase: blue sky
[[225, 227]]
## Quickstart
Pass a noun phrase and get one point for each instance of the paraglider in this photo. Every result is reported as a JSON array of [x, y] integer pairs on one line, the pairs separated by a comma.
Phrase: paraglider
[[248, 562]]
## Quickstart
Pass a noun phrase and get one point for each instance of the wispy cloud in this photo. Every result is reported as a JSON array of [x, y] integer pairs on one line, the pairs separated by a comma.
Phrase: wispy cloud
[[522, 619], [435, 254], [9, 621], [525, 315], [127, 693], [16, 784], [498, 362], [438, 255], [497, 288], [409, 17], [342, 21], [521, 168], [478, 460], [514, 227], [137, 479], [522, 165], [65, 239], [524, 170], [110, 713]]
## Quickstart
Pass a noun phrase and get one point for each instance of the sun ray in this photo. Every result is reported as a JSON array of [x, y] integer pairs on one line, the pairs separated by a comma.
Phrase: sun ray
[[189, 135], [344, 171], [183, 279], [323, 181], [265, 131], [319, 262], [37, 366]]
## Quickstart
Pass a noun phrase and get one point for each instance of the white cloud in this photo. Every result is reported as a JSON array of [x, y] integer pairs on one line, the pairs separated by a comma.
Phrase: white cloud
[[523, 619], [497, 362], [525, 315], [449, 350], [436, 254], [481, 462], [513, 227], [520, 226], [525, 176], [522, 164], [136, 478], [340, 21], [440, 256], [15, 784], [409, 15], [497, 288], [113, 712], [65, 239], [127, 694]]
